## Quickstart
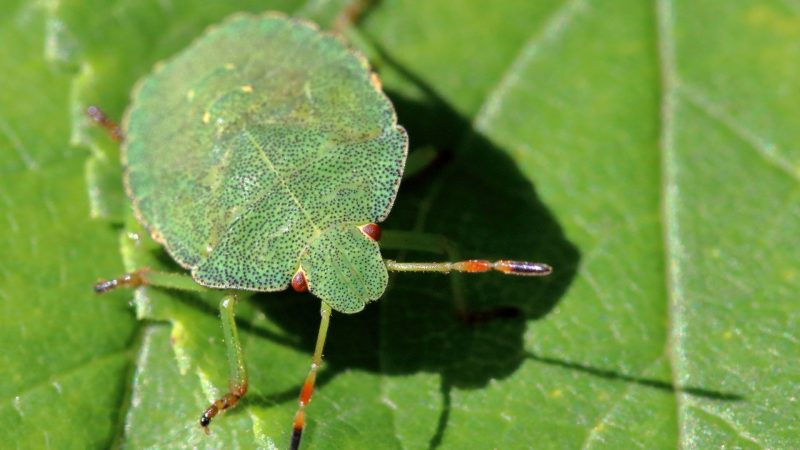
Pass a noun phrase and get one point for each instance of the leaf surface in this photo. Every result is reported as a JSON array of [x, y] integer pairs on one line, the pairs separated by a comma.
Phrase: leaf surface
[[65, 356], [646, 150]]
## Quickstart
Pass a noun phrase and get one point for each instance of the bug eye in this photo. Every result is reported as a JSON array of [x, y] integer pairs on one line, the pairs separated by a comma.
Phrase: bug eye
[[372, 230], [299, 283]]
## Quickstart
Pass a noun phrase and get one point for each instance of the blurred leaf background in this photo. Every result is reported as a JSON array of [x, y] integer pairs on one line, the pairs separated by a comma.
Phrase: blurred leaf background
[[646, 149]]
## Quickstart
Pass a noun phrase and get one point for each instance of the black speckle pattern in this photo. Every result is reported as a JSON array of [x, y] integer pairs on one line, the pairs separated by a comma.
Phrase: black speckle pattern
[[261, 148]]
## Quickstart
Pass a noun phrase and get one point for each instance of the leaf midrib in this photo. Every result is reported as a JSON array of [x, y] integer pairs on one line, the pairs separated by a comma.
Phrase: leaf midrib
[[669, 221], [554, 28]]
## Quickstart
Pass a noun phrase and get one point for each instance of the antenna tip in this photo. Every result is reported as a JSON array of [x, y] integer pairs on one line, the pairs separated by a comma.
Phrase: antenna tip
[[523, 268]]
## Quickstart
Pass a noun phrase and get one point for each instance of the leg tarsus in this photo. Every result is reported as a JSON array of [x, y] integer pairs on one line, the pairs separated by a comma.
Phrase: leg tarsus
[[129, 280], [100, 118], [350, 15], [226, 402], [423, 159]]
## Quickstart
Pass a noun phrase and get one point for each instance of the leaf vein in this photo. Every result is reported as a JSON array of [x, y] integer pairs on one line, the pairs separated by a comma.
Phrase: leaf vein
[[669, 197], [733, 425], [95, 361], [17, 144], [555, 27], [595, 431], [767, 150]]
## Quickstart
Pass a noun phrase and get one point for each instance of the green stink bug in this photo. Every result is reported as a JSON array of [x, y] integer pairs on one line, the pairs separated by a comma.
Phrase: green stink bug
[[262, 157]]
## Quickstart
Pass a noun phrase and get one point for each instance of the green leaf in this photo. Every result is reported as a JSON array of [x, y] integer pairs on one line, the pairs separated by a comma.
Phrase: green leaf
[[65, 355], [646, 150], [641, 125]]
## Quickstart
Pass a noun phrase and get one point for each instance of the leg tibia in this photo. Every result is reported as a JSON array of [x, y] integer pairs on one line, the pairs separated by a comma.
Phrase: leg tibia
[[419, 241], [237, 381]]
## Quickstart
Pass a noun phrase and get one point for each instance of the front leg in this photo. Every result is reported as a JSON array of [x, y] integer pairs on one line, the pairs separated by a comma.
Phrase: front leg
[[237, 379], [147, 277]]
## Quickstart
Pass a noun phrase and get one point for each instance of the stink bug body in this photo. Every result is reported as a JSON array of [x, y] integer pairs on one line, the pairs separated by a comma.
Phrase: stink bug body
[[262, 157]]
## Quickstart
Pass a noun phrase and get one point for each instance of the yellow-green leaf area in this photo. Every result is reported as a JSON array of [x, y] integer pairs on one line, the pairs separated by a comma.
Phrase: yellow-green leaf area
[[258, 139]]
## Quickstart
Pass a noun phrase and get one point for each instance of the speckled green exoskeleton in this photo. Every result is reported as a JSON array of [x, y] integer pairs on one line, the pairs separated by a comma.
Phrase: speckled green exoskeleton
[[262, 157]]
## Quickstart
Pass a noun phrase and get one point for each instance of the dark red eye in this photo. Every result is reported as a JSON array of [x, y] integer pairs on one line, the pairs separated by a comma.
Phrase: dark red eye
[[372, 230], [299, 283]]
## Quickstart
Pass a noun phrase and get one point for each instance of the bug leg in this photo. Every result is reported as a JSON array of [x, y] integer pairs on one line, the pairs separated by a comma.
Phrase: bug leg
[[237, 371], [422, 159], [350, 14], [308, 386], [147, 277], [100, 118]]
